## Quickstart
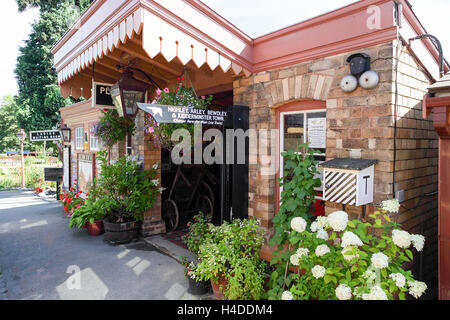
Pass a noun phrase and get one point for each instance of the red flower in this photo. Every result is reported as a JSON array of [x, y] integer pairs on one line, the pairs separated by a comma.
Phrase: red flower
[[70, 189], [80, 191]]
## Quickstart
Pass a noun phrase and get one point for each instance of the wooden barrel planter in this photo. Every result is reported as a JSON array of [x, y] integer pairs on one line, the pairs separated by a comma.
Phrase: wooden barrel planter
[[120, 233]]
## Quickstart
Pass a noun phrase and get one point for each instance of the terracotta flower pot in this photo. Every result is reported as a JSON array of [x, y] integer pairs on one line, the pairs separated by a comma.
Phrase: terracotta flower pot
[[96, 228], [219, 287]]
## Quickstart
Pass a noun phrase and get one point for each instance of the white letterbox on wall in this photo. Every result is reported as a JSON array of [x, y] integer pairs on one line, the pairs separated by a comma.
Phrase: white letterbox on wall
[[348, 181]]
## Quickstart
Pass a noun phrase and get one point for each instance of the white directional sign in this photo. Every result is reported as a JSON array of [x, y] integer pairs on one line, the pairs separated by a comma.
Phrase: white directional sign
[[177, 114], [45, 135]]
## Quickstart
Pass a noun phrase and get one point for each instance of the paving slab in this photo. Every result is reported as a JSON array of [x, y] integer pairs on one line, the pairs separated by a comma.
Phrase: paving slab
[[41, 258]]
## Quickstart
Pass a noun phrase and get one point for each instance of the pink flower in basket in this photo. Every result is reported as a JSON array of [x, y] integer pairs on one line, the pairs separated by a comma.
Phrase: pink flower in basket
[[166, 90]]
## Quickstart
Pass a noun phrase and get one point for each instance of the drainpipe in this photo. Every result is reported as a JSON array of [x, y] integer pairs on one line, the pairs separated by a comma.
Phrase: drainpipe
[[436, 41]]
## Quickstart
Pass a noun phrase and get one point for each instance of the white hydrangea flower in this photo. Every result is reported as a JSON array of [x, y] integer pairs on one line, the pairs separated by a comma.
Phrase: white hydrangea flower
[[315, 227], [318, 271], [322, 234], [322, 250], [417, 288], [155, 182], [379, 260], [298, 224], [390, 205], [322, 221], [418, 241], [349, 239], [287, 295], [370, 275], [376, 293], [338, 220], [343, 292], [301, 252], [401, 238], [295, 259], [349, 257], [399, 279]]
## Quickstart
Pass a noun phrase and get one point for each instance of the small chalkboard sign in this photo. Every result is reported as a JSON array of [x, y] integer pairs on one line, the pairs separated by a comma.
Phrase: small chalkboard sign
[[53, 174]]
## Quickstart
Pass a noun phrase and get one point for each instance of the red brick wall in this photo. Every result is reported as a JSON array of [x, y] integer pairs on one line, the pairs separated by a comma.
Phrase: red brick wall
[[360, 123]]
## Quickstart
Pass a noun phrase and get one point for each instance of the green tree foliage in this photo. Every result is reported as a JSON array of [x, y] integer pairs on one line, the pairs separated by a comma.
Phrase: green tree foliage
[[46, 5], [8, 125], [39, 99]]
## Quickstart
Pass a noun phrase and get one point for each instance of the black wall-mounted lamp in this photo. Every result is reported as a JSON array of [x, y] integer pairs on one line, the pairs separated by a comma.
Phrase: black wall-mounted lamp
[[126, 92], [65, 133]]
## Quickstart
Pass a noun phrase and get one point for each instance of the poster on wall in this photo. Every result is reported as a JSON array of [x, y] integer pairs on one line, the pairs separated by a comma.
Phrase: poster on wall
[[66, 166], [317, 133], [85, 170]]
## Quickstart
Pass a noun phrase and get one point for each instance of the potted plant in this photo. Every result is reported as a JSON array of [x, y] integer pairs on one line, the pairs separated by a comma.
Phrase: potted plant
[[90, 215], [229, 258], [197, 233], [130, 192], [71, 199], [111, 128]]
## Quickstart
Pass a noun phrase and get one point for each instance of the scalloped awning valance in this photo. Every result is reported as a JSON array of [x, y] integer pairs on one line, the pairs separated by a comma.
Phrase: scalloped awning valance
[[159, 36]]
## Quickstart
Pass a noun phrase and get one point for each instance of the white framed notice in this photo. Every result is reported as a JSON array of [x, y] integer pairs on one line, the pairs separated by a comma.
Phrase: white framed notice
[[317, 132]]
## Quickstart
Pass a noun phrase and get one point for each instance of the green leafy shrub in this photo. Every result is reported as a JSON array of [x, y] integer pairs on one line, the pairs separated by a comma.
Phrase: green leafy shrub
[[197, 232], [335, 258], [130, 190], [91, 211], [298, 183], [231, 252]]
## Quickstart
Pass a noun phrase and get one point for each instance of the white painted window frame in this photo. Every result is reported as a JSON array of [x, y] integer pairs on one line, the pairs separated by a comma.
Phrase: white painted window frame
[[305, 139], [79, 138]]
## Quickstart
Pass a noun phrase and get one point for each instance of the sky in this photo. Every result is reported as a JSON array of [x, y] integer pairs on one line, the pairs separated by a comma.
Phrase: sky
[[254, 17], [14, 28]]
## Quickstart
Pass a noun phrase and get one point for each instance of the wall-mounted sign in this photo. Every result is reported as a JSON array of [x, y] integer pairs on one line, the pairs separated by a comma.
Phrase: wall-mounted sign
[[101, 97], [85, 170], [175, 114], [317, 132], [45, 135], [66, 166]]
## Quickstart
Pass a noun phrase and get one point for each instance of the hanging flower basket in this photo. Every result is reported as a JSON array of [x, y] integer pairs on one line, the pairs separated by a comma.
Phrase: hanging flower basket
[[182, 96], [112, 128]]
